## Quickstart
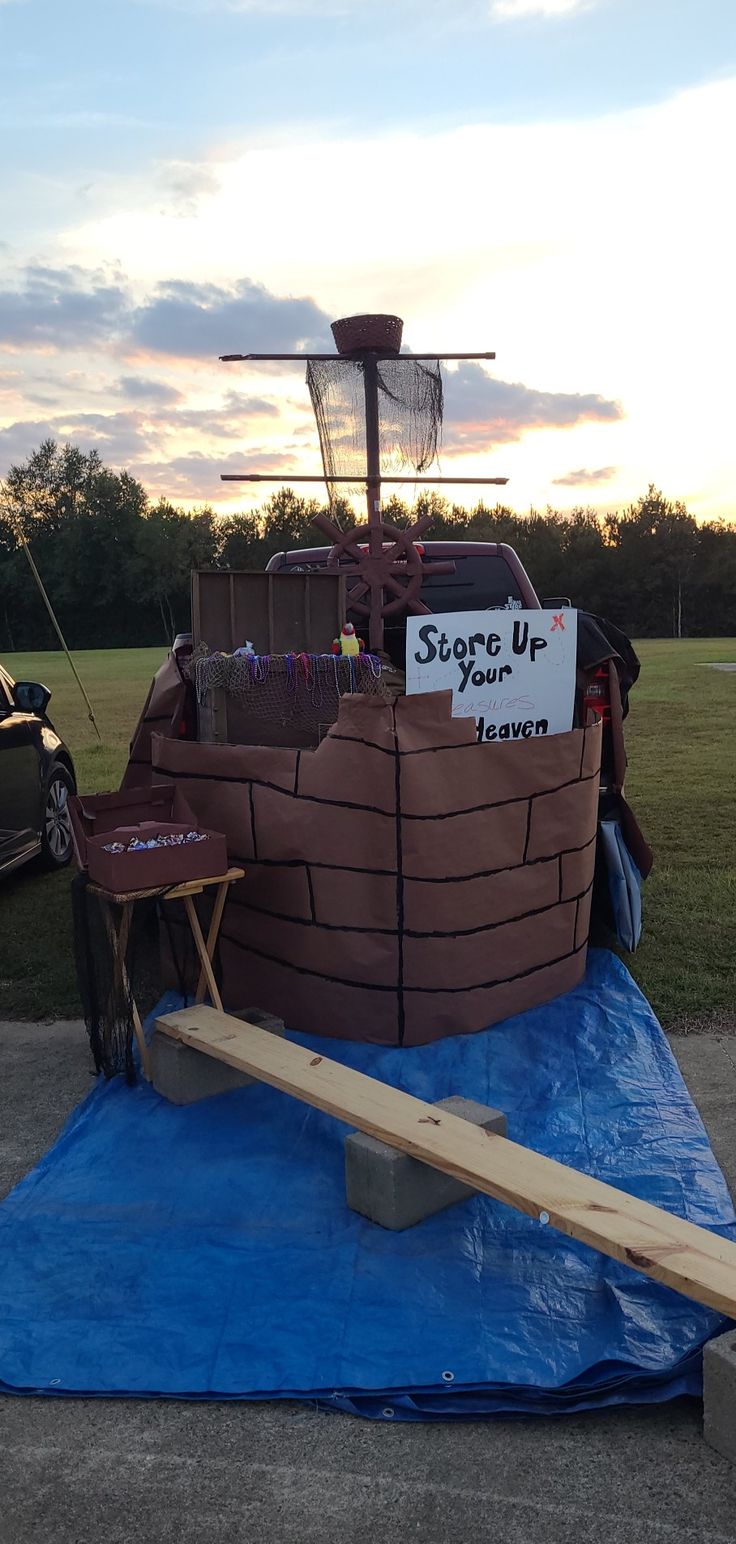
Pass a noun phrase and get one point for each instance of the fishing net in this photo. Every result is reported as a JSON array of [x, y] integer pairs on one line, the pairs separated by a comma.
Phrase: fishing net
[[301, 691], [156, 948], [409, 415]]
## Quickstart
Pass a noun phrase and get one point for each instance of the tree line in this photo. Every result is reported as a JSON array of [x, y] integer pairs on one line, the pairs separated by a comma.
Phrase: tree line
[[117, 566]]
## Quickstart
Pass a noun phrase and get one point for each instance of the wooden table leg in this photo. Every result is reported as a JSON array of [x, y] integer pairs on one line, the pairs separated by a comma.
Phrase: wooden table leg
[[119, 942], [141, 1038], [212, 933], [206, 962]]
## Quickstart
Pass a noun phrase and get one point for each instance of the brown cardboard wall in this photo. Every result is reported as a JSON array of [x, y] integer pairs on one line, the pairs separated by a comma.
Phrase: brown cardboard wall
[[403, 882]]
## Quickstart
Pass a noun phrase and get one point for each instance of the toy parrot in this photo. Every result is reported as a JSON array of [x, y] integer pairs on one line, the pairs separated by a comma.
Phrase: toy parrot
[[347, 643]]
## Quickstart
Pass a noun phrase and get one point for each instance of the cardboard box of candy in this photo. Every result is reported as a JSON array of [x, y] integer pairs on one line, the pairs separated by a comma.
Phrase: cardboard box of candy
[[143, 839]]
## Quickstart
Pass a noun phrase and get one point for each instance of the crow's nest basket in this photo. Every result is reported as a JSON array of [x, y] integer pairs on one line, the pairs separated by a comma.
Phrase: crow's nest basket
[[354, 333]]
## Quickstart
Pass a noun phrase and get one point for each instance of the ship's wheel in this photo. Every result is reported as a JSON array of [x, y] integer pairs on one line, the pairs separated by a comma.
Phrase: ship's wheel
[[387, 565]]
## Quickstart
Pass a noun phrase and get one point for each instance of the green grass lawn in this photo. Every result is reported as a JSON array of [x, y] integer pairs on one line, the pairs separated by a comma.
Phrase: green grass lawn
[[680, 737]]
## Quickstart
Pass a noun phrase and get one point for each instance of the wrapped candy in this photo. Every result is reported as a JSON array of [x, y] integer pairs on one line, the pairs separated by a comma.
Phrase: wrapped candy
[[167, 839]]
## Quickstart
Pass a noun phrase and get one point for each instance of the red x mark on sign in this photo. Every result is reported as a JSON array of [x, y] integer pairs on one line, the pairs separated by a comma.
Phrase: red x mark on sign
[[557, 622]]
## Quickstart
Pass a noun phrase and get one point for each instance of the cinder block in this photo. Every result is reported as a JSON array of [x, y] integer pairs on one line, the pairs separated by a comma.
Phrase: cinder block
[[269, 1021], [397, 1191], [184, 1076], [719, 1394]]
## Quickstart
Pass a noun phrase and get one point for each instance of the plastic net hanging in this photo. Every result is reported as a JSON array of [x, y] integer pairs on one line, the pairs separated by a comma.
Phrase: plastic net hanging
[[298, 690], [154, 940], [409, 415]]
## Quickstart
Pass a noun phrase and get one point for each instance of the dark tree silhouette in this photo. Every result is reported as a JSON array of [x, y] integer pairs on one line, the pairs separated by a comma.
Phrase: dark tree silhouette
[[117, 568]]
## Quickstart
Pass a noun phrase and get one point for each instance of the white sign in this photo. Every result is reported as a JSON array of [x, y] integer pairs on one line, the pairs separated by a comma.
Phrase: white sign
[[512, 671]]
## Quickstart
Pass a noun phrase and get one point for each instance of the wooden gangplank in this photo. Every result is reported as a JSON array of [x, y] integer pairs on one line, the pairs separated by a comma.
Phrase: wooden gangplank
[[693, 1261]]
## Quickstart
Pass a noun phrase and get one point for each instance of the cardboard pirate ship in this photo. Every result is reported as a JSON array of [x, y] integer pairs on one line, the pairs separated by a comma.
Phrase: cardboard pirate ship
[[404, 882]]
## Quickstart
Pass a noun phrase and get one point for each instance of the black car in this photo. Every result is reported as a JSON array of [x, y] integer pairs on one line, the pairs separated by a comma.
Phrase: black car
[[36, 778]]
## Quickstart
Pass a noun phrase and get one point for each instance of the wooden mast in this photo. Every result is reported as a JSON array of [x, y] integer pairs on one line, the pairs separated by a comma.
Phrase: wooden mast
[[373, 487]]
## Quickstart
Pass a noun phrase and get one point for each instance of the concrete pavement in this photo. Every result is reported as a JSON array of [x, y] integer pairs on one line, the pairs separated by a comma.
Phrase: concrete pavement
[[78, 1471]]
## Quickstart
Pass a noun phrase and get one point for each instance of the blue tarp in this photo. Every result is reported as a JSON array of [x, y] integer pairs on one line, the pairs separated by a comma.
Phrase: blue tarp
[[207, 1252]]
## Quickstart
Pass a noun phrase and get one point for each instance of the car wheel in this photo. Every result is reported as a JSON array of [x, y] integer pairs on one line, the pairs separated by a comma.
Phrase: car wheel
[[56, 836]]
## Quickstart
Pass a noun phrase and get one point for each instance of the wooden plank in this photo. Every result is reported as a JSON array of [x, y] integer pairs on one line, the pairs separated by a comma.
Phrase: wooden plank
[[271, 632], [693, 1261], [235, 642], [212, 714], [196, 615], [187, 887], [231, 605], [194, 886]]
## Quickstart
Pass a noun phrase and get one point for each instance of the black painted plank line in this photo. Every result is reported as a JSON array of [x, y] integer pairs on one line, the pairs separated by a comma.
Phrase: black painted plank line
[[372, 986], [390, 932], [368, 809], [253, 823]]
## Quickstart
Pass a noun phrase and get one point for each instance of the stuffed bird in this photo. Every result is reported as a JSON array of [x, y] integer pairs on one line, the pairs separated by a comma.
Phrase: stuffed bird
[[347, 643]]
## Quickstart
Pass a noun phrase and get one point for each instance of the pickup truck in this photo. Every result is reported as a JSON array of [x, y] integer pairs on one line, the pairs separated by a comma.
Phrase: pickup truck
[[489, 576]]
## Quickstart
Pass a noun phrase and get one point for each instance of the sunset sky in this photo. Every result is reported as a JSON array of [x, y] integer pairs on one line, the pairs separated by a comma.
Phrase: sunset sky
[[552, 179]]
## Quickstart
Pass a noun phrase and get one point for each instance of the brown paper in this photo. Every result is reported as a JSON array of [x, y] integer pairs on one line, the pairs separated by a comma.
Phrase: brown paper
[[162, 713], [403, 882]]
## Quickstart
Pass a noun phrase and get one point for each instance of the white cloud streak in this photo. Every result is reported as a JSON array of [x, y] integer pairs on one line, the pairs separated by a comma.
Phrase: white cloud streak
[[519, 10], [585, 477]]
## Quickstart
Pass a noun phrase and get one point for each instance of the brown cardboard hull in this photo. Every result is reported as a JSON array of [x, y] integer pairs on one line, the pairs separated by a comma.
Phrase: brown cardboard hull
[[403, 883], [162, 713]]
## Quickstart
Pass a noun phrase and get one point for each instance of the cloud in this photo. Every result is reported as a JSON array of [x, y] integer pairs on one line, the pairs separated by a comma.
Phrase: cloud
[[141, 418], [75, 308], [119, 437], [122, 436], [511, 10], [198, 476], [200, 321], [584, 478], [481, 411], [139, 389], [61, 308], [147, 443], [19, 439], [227, 422], [186, 182]]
